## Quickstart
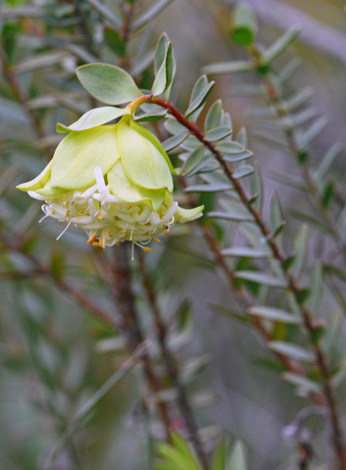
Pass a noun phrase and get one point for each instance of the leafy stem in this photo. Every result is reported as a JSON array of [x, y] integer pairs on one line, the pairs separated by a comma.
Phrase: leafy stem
[[292, 284]]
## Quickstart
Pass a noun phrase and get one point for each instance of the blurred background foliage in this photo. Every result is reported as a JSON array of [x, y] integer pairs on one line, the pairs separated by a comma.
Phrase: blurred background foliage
[[54, 355]]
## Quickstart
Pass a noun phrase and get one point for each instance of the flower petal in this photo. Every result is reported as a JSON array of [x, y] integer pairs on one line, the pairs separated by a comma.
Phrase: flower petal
[[93, 118], [79, 153], [124, 189]]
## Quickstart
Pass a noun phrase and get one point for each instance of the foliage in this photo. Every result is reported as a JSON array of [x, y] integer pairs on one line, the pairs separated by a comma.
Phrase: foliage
[[140, 305]]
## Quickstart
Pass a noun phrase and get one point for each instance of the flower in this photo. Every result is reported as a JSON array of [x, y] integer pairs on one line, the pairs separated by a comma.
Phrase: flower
[[113, 181]]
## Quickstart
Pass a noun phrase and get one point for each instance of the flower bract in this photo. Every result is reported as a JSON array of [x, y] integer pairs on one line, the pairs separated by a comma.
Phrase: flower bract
[[113, 181]]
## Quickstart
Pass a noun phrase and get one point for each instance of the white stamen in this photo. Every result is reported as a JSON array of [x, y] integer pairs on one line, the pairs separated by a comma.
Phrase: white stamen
[[62, 233], [100, 181]]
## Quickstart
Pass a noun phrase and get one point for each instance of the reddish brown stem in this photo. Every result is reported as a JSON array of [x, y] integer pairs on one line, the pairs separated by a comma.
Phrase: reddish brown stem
[[279, 255], [170, 364]]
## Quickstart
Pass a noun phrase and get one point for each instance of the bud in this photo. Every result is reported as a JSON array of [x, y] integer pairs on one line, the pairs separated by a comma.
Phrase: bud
[[113, 181]]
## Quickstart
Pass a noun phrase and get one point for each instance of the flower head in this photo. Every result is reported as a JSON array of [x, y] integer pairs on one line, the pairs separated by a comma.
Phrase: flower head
[[113, 181]]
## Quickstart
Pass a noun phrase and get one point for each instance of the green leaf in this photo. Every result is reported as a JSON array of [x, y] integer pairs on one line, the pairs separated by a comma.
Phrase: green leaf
[[107, 83], [276, 217], [228, 67], [261, 278], [274, 314], [326, 163], [154, 10], [236, 217], [291, 350], [300, 250], [193, 160], [237, 157], [200, 188], [199, 95], [108, 14], [218, 134], [237, 459], [213, 117], [114, 41], [246, 252], [280, 45], [299, 98], [165, 73], [242, 171], [93, 118], [303, 383], [287, 72], [219, 457], [256, 185], [230, 148], [173, 142], [79, 153], [304, 138], [244, 25]]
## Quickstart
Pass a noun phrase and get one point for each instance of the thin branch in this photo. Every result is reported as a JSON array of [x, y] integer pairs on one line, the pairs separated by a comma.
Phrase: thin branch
[[131, 329], [170, 363], [292, 284], [316, 34], [275, 98]]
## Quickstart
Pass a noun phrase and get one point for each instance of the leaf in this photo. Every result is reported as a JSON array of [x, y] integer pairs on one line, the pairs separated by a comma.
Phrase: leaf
[[274, 314], [228, 67], [246, 252], [213, 117], [237, 157], [287, 72], [152, 112], [165, 73], [291, 350], [280, 45], [218, 134], [231, 216], [173, 142], [107, 83], [299, 98], [276, 217], [237, 459], [219, 457], [304, 138], [199, 95], [300, 250], [256, 185], [154, 10], [208, 188], [244, 25], [193, 160], [114, 41], [335, 271], [303, 383], [261, 278], [230, 148], [79, 153], [108, 14], [242, 171], [93, 118], [326, 163]]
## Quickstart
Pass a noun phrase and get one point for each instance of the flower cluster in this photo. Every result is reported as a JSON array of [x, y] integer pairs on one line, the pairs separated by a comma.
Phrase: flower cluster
[[113, 181]]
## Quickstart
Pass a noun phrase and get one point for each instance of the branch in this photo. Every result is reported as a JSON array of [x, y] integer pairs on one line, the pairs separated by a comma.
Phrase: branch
[[278, 254], [169, 360], [315, 33]]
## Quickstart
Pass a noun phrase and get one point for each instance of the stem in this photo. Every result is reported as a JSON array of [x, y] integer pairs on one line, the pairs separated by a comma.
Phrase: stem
[[275, 99], [19, 94], [278, 254], [170, 364], [131, 328]]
